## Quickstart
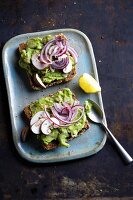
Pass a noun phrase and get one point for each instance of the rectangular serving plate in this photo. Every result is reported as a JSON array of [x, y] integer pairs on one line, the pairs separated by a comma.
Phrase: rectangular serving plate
[[20, 94]]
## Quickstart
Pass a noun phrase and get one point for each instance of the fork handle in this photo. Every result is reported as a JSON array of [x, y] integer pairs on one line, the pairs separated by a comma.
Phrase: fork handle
[[128, 159]]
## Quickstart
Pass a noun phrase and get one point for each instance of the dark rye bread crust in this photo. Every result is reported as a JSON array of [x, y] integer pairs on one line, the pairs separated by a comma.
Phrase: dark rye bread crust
[[34, 85], [54, 144]]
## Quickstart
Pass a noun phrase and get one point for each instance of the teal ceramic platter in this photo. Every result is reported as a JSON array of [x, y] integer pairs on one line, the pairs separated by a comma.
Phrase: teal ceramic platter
[[20, 95]]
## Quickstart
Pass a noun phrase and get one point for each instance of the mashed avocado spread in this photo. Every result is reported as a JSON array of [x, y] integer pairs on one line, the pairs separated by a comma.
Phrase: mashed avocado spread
[[87, 106], [34, 46], [60, 134]]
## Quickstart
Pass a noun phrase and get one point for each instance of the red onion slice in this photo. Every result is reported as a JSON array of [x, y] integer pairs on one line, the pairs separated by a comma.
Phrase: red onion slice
[[36, 62], [66, 121], [68, 107], [60, 45], [62, 51], [47, 114], [68, 68], [51, 49], [61, 63], [56, 48], [74, 113], [45, 53], [62, 110], [58, 107], [73, 54], [55, 113], [73, 50], [61, 118], [74, 109], [42, 56], [65, 111], [59, 111]]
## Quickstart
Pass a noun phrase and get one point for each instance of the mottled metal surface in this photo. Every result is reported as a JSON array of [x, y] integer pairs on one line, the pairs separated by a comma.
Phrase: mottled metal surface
[[108, 24]]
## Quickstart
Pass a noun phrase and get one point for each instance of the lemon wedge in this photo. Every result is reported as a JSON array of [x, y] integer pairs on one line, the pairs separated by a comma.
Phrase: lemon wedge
[[89, 84]]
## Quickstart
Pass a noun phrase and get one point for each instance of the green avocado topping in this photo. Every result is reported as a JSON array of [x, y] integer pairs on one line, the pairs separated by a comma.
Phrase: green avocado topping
[[60, 134], [53, 75], [64, 95], [47, 38], [34, 46], [35, 43], [49, 138], [87, 106], [63, 138]]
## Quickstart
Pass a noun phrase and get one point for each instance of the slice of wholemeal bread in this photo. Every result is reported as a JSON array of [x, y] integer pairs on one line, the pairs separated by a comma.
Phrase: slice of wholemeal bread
[[34, 85], [55, 143]]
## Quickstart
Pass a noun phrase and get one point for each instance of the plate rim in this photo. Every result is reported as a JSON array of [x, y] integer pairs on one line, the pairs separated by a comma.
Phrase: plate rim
[[14, 135]]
